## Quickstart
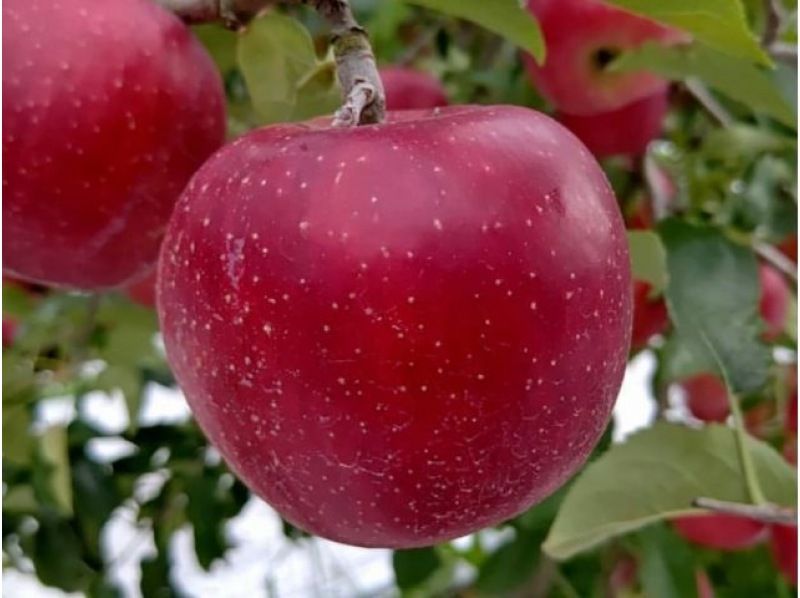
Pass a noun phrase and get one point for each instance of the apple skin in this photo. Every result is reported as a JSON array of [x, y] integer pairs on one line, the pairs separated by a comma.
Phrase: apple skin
[[649, 315], [109, 107], [774, 302], [400, 333], [720, 532], [784, 550], [789, 248], [706, 397], [624, 131], [409, 89], [580, 35]]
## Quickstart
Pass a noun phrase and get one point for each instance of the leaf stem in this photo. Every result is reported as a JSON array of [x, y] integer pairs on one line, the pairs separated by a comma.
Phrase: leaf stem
[[745, 458], [768, 513]]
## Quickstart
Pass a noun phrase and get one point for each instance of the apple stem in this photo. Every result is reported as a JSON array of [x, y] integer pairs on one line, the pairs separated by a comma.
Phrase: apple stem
[[364, 99], [767, 513]]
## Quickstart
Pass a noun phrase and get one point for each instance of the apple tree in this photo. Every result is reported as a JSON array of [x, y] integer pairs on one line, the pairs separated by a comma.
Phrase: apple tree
[[397, 256]]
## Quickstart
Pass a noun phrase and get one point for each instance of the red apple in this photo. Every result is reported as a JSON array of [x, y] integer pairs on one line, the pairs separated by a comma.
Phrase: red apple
[[408, 89], [649, 315], [144, 291], [774, 302], [583, 37], [623, 131], [707, 398], [398, 334], [108, 107], [784, 550], [759, 419], [720, 532], [789, 247], [10, 326]]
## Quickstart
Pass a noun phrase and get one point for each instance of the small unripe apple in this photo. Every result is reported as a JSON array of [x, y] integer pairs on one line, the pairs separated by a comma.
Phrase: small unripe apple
[[720, 532], [583, 37], [650, 316], [108, 109], [784, 550], [706, 397], [409, 89], [623, 131], [398, 334], [774, 302]]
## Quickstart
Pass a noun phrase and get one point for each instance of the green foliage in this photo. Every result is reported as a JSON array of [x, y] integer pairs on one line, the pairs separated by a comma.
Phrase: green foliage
[[648, 259], [285, 78], [655, 475], [713, 299], [740, 80], [508, 18], [719, 23], [413, 567]]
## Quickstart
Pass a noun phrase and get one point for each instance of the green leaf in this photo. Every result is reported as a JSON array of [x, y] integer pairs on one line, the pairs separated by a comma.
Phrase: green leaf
[[207, 517], [56, 556], [55, 459], [682, 357], [96, 498], [712, 297], [413, 567], [655, 475], [127, 381], [508, 18], [666, 566], [17, 442], [721, 24], [511, 565], [220, 44], [738, 79], [648, 259], [285, 79]]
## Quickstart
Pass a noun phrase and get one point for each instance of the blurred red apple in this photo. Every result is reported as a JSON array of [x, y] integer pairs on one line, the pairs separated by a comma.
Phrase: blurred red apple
[[789, 247], [784, 550], [720, 532], [774, 301], [144, 291], [623, 131], [401, 333], [706, 398], [108, 107], [409, 89], [583, 37], [650, 316]]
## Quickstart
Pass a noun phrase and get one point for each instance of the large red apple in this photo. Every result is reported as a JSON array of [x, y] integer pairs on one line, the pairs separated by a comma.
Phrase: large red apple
[[400, 333], [583, 37], [774, 301], [624, 131], [408, 89], [721, 532], [784, 550], [108, 109], [650, 316]]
